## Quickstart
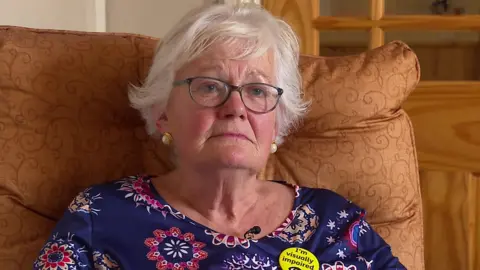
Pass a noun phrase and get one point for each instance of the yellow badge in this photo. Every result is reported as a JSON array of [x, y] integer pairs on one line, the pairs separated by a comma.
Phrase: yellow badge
[[298, 259]]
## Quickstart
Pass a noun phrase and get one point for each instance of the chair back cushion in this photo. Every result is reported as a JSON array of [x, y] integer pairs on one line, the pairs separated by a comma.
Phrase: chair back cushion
[[65, 124]]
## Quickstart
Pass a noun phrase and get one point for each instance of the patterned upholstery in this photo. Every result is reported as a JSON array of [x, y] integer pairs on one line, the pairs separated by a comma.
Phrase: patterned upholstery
[[65, 124]]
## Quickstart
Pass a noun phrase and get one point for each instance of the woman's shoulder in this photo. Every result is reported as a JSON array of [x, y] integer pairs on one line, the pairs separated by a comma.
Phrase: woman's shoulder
[[327, 203], [325, 196], [121, 188], [133, 182]]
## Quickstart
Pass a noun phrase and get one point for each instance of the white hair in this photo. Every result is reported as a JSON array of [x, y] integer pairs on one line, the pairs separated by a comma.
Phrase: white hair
[[227, 24]]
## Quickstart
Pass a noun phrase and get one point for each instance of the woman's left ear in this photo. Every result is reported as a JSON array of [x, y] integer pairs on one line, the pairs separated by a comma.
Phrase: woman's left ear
[[274, 132], [273, 146], [162, 123]]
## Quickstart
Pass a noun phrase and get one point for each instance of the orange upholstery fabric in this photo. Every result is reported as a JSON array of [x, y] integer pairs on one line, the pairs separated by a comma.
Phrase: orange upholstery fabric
[[65, 124]]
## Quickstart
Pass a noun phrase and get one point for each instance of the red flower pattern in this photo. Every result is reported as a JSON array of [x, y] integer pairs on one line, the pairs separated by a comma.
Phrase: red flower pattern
[[56, 257], [138, 187], [173, 250]]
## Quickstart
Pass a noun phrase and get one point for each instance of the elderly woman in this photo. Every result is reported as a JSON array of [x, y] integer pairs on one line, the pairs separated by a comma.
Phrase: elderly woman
[[223, 90]]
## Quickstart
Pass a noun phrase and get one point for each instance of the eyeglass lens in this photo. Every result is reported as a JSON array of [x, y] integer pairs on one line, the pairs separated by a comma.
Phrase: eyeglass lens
[[210, 92]]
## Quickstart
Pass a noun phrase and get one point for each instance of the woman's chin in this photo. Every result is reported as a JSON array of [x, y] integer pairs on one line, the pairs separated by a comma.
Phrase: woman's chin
[[235, 156]]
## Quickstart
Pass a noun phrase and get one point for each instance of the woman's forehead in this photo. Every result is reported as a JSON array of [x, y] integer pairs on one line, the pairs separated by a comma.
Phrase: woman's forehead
[[221, 59]]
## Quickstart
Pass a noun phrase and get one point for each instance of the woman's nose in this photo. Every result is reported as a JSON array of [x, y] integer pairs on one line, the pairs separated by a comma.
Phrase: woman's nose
[[233, 107]]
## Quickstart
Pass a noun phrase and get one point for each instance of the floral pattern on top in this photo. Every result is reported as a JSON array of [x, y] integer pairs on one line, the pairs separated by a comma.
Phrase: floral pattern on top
[[83, 203], [129, 233], [59, 254], [228, 240], [299, 226], [249, 261], [297, 191], [337, 266], [173, 250], [138, 188], [103, 261], [344, 233], [284, 225]]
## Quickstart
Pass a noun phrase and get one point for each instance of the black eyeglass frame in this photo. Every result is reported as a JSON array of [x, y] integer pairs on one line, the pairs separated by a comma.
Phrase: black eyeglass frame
[[230, 88]]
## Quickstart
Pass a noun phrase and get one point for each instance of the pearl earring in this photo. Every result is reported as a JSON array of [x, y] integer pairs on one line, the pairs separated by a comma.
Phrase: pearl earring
[[273, 148], [167, 138]]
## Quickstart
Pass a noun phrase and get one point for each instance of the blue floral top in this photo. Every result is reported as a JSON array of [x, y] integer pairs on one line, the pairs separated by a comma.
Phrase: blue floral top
[[127, 225]]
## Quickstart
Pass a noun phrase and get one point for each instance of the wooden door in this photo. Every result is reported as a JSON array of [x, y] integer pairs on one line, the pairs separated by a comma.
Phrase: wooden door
[[445, 111]]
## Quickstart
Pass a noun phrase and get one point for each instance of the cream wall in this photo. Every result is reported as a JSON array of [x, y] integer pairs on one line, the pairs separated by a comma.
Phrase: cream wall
[[54, 14], [148, 17], [152, 17]]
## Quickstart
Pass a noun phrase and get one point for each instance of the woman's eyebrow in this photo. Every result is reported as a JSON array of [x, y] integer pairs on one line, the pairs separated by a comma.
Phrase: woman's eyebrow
[[220, 71], [209, 67], [258, 73]]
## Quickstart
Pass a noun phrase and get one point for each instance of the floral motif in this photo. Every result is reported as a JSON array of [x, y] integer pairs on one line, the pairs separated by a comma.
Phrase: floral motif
[[347, 239], [330, 240], [59, 255], [299, 226], [83, 203], [284, 225], [249, 261], [338, 266], [138, 187], [356, 229], [297, 191], [104, 261], [353, 233], [176, 248], [228, 240], [367, 263], [56, 256], [173, 250]]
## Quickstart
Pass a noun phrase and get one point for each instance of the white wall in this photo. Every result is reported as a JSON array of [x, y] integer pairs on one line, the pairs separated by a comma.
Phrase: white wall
[[54, 14], [152, 17], [147, 17]]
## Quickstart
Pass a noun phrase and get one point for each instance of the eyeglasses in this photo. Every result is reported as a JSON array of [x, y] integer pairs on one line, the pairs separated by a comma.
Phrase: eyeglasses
[[211, 92]]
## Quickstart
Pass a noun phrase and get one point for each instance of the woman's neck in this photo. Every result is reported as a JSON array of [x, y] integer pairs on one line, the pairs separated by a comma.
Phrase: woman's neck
[[221, 195]]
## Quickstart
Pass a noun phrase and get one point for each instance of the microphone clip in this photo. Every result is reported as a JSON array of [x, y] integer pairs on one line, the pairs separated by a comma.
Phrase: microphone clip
[[252, 232]]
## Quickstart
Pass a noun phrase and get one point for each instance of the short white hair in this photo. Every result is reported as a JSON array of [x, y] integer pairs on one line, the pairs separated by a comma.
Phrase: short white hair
[[228, 24]]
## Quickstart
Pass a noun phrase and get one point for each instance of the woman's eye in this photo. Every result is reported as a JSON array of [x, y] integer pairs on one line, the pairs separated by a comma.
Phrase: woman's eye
[[209, 87], [259, 92], [212, 87]]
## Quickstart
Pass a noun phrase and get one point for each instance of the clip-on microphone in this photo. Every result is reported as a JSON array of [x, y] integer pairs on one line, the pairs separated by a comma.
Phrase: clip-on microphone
[[250, 234]]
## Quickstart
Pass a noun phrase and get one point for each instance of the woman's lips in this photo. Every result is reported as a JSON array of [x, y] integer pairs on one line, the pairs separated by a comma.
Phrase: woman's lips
[[232, 135]]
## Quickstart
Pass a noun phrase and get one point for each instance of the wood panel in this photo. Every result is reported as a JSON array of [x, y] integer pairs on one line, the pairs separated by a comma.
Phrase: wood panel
[[299, 15], [476, 225], [377, 35], [446, 121], [451, 220], [400, 22], [446, 62]]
